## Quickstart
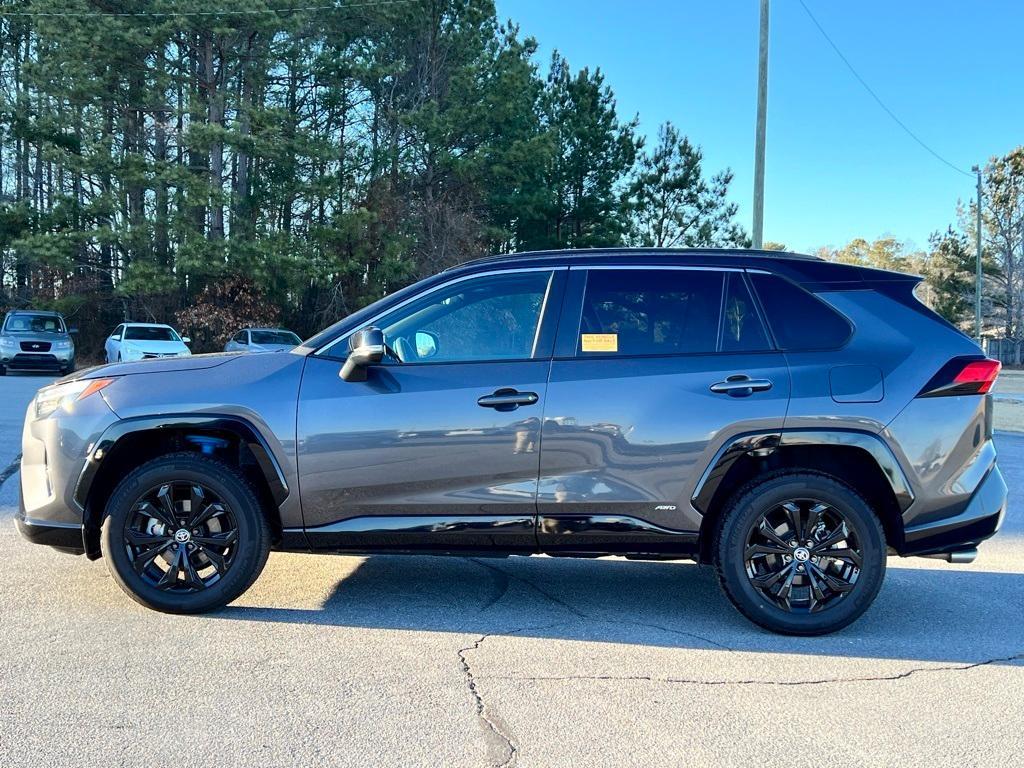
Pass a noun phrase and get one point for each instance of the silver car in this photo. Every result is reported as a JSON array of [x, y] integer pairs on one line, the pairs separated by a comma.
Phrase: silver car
[[31, 340], [262, 340]]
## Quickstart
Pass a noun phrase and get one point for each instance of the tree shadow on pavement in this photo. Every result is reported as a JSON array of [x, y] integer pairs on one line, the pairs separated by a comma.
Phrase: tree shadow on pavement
[[928, 614]]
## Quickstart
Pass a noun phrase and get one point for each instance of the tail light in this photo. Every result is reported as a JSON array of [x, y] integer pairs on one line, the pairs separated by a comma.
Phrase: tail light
[[963, 376]]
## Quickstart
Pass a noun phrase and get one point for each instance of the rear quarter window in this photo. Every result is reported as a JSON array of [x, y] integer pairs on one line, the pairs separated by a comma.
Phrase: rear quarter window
[[799, 320]]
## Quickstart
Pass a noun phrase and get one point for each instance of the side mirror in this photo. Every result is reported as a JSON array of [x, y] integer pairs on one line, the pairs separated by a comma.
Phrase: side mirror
[[186, 340], [426, 345], [72, 330], [365, 348]]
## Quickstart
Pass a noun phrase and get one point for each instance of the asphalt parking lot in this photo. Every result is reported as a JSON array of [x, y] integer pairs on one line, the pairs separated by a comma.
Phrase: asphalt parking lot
[[525, 661]]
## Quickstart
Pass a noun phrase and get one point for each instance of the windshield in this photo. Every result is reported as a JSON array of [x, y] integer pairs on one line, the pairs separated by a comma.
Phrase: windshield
[[275, 337], [34, 324], [150, 333]]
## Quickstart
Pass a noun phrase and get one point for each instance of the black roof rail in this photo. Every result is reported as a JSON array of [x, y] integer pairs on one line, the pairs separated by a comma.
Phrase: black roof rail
[[590, 253]]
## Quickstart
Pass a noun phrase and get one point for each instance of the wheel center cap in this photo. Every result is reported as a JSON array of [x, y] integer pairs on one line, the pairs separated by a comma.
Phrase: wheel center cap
[[801, 554], [182, 535]]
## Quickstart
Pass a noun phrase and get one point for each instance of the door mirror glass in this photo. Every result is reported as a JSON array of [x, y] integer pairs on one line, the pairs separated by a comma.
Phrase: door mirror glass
[[426, 345], [365, 348]]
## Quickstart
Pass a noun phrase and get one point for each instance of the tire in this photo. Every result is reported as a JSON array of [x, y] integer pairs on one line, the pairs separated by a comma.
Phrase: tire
[[3, 370], [802, 592], [133, 531]]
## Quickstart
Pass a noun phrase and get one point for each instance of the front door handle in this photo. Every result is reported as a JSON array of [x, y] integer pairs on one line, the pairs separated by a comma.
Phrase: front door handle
[[741, 385], [507, 399]]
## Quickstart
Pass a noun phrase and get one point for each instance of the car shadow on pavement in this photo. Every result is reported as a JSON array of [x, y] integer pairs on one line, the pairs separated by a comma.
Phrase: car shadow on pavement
[[929, 614]]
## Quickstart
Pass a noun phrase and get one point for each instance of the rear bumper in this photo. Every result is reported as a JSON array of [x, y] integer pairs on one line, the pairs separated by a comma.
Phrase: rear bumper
[[979, 520]]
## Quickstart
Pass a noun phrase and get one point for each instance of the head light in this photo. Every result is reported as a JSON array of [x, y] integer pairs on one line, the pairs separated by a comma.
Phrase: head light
[[49, 399], [62, 344]]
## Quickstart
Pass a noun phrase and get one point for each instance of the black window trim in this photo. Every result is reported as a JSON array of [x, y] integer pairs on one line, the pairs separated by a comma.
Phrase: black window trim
[[547, 325], [566, 346]]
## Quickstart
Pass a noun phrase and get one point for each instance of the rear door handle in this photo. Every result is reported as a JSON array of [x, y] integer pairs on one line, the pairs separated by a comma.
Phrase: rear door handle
[[741, 385], [507, 399]]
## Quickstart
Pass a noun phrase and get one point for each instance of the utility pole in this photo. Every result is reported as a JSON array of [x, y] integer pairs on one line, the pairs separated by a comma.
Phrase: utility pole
[[977, 252], [762, 107]]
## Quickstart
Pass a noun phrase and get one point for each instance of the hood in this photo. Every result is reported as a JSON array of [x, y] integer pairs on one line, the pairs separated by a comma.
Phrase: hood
[[156, 365]]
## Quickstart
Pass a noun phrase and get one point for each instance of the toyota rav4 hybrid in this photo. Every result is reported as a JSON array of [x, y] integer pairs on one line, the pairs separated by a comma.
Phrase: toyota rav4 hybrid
[[790, 421]]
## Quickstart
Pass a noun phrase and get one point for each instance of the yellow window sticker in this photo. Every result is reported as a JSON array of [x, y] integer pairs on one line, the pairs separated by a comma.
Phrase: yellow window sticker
[[599, 342]]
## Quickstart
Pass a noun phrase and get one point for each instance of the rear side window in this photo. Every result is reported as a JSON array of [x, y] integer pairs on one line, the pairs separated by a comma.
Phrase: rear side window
[[742, 329], [799, 320], [653, 312]]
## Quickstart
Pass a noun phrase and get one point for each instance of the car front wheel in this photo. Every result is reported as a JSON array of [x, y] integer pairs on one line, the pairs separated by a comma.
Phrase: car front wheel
[[184, 533], [800, 553]]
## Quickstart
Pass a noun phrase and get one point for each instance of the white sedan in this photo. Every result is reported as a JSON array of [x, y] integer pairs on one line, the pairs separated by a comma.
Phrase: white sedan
[[143, 341]]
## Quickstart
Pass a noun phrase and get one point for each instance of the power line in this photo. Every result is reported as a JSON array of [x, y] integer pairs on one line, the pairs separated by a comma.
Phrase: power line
[[177, 14], [876, 97]]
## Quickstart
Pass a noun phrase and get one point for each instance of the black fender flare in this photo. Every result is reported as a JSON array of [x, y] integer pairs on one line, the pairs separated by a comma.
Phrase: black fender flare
[[754, 442], [236, 425]]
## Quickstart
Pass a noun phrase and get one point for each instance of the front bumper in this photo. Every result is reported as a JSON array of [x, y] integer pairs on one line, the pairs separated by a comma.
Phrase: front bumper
[[53, 453], [65, 537], [39, 361], [979, 520]]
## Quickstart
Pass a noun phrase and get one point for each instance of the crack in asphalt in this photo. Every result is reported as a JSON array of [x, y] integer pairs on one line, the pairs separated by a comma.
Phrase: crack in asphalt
[[541, 591], [498, 739], [499, 734], [784, 683], [10, 469], [580, 614], [501, 582]]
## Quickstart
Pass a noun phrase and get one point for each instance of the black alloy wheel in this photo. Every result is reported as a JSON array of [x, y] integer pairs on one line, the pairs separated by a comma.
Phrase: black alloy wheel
[[181, 537], [185, 533], [802, 555], [800, 552]]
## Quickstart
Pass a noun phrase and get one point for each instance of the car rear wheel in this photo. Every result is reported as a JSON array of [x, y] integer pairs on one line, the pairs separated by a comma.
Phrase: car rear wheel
[[184, 533], [800, 553]]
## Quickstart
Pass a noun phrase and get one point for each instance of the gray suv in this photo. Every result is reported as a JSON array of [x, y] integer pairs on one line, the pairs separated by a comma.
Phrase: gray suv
[[33, 340], [789, 421]]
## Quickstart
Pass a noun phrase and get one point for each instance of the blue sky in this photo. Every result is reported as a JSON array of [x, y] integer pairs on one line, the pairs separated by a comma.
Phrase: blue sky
[[837, 166]]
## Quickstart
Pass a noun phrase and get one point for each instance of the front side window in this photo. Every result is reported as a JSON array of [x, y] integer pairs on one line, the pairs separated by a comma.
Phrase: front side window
[[650, 312], [494, 317], [150, 333]]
